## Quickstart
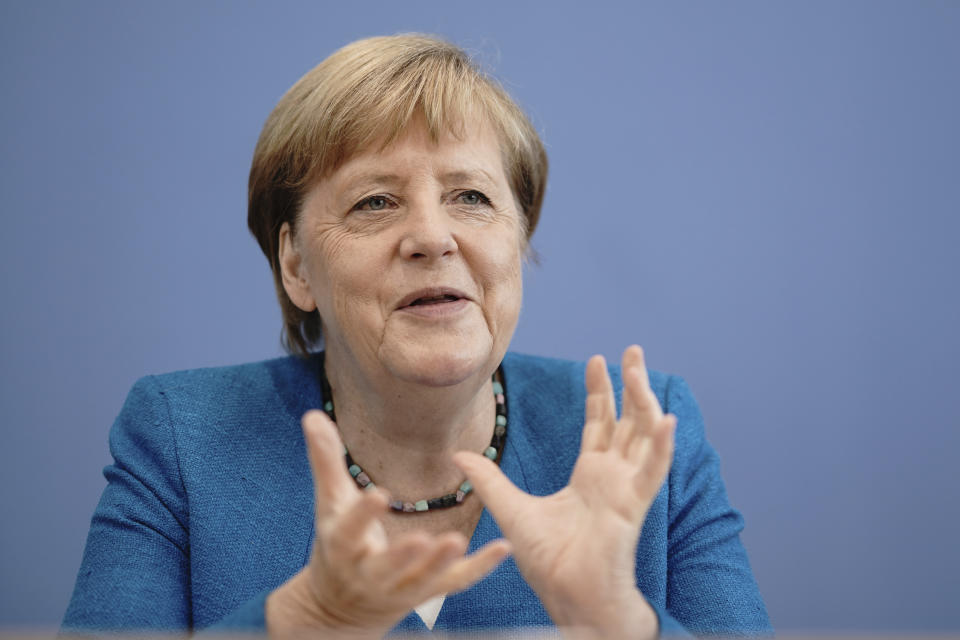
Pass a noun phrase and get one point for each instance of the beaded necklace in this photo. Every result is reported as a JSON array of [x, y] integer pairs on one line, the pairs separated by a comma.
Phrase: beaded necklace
[[494, 451]]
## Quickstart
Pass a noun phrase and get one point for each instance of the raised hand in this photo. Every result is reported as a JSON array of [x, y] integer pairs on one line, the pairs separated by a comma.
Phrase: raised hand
[[359, 582], [576, 547]]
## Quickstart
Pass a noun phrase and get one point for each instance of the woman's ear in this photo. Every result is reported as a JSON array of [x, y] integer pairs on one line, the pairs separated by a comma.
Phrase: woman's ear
[[291, 270]]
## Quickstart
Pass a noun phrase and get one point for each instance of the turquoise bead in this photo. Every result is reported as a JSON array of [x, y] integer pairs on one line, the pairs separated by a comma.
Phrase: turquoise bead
[[420, 505], [369, 486], [502, 420], [354, 470], [328, 406], [466, 487], [490, 452], [497, 387]]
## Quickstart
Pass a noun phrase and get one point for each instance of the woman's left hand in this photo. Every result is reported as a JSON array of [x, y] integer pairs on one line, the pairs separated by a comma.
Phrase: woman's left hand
[[577, 547]]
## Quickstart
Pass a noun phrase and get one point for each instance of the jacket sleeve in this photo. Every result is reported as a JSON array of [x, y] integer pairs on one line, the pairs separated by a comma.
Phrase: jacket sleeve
[[135, 573], [710, 587]]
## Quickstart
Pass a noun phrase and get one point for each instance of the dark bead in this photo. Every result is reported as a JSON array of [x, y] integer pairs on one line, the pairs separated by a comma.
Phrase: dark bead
[[444, 501]]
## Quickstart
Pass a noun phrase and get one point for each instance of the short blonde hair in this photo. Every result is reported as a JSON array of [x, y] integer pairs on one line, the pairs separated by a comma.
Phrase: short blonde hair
[[366, 93]]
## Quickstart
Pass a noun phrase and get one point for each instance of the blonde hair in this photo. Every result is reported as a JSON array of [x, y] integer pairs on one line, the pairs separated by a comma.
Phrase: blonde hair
[[367, 93]]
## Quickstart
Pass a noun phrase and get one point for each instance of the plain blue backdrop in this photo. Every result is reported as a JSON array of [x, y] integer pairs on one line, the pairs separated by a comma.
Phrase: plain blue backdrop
[[763, 194]]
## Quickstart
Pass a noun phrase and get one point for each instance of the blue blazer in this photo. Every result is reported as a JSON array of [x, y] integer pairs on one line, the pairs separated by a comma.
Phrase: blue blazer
[[209, 506]]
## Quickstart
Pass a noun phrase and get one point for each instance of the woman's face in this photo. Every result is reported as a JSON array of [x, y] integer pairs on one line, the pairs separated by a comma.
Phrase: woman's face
[[413, 257]]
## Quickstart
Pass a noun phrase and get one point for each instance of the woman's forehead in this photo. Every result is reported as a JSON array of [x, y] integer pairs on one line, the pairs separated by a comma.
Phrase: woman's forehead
[[473, 154]]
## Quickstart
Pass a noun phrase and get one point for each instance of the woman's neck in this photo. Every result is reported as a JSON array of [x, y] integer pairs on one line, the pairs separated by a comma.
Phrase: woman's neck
[[403, 434]]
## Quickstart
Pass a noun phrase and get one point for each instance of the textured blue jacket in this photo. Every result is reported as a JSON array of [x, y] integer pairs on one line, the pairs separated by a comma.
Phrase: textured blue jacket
[[209, 506]]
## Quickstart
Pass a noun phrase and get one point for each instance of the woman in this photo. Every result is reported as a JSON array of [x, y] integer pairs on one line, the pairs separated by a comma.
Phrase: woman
[[394, 190]]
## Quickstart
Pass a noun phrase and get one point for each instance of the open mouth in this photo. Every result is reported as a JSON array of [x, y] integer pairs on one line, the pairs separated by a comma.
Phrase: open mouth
[[434, 300], [432, 297]]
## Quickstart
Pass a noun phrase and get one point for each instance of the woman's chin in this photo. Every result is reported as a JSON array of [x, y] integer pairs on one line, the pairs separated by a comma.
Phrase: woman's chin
[[442, 363]]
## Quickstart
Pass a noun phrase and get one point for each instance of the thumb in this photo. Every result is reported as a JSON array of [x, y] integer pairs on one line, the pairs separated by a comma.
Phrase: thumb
[[331, 481], [504, 500]]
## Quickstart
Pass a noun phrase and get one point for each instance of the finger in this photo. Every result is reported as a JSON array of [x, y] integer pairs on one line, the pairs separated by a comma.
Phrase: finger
[[331, 481], [598, 382], [654, 468], [596, 431], [430, 564], [600, 412], [640, 397], [349, 537], [501, 497], [632, 357], [641, 410], [638, 450], [462, 574], [641, 447]]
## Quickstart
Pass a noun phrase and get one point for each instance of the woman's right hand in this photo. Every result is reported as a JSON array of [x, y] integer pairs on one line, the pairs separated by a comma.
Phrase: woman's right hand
[[359, 582]]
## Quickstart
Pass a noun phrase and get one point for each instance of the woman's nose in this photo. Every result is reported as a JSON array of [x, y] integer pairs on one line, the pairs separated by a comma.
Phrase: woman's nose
[[427, 233]]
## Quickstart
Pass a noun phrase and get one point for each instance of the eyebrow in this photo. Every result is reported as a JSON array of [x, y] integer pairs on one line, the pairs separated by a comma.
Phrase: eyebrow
[[363, 180], [468, 175]]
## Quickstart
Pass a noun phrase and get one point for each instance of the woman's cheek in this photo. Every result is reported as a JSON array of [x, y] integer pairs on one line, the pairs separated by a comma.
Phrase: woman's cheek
[[510, 276]]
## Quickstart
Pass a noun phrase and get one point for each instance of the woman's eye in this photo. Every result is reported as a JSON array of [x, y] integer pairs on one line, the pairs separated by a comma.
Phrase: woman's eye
[[473, 198], [373, 203]]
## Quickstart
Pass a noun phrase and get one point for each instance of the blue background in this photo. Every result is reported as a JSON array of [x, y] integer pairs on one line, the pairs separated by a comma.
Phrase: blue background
[[764, 194]]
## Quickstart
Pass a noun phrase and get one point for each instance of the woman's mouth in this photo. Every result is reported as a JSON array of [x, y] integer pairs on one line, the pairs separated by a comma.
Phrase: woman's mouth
[[434, 303], [434, 300], [431, 296]]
